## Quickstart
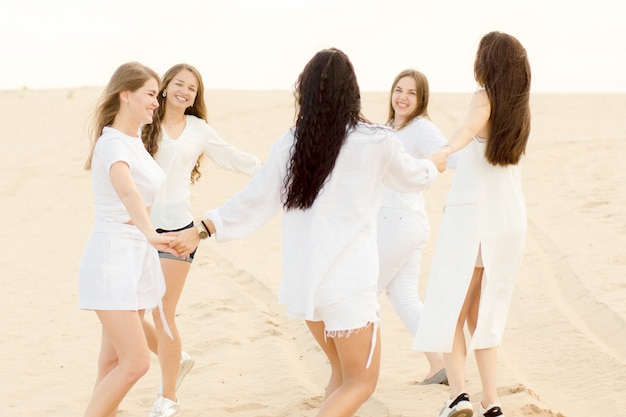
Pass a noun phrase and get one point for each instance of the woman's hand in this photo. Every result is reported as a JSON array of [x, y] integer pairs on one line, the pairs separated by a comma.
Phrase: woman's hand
[[440, 158], [162, 243], [184, 241]]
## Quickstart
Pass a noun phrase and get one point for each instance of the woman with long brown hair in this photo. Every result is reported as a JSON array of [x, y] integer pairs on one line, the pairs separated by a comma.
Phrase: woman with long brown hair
[[326, 174], [481, 238], [179, 138]]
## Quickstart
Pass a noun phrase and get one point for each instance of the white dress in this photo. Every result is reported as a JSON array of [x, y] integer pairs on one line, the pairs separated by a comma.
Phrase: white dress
[[119, 269], [485, 214]]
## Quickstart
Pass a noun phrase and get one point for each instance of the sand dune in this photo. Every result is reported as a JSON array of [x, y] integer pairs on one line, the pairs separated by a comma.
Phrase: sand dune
[[564, 351]]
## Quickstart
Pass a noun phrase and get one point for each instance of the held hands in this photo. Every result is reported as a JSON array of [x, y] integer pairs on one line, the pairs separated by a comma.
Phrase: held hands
[[162, 243], [185, 241], [440, 158]]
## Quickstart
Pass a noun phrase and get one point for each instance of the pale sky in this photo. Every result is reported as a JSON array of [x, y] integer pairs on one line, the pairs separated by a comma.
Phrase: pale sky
[[573, 46]]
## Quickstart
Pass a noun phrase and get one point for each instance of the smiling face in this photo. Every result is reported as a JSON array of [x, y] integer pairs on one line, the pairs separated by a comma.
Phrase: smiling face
[[182, 90], [142, 102], [404, 100]]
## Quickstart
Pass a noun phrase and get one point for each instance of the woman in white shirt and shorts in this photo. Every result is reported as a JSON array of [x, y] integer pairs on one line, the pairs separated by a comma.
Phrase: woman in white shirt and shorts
[[327, 174], [178, 139]]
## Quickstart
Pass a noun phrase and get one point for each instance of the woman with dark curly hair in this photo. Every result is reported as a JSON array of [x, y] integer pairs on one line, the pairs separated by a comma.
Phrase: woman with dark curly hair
[[327, 174], [481, 238]]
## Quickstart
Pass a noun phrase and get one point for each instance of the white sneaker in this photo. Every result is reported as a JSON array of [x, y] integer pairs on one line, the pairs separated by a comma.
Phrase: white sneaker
[[186, 363], [493, 410], [164, 407], [459, 407]]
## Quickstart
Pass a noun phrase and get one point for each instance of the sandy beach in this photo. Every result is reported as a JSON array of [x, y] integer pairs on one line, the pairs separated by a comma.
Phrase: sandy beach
[[564, 350]]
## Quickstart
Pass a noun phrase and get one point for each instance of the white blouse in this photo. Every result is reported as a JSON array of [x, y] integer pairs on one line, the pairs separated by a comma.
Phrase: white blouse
[[177, 157], [420, 138], [329, 251]]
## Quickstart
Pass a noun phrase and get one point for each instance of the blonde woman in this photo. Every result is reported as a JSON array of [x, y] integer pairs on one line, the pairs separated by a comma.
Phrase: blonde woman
[[120, 276]]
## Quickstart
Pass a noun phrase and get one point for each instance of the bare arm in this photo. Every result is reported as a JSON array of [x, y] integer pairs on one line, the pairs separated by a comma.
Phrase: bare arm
[[475, 121], [131, 198]]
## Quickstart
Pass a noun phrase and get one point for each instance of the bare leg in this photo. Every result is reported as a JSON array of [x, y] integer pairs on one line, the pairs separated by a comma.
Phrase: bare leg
[[124, 358], [455, 361], [486, 359], [359, 382], [168, 349], [473, 296], [329, 348], [435, 362]]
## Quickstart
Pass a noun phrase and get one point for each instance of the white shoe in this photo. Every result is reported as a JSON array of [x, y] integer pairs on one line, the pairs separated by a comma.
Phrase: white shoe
[[459, 407], [493, 410], [164, 407], [186, 363]]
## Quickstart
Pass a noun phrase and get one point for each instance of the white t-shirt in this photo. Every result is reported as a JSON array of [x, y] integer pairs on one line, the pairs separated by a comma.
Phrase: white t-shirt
[[115, 146], [177, 157], [329, 251]]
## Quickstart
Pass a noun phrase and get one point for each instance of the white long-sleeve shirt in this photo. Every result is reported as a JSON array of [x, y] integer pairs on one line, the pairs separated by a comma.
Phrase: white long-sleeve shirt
[[329, 250], [420, 139], [177, 157]]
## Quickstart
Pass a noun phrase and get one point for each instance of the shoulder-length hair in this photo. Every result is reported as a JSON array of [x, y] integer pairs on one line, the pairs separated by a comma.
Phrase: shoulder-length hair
[[328, 100], [502, 68], [130, 76], [152, 134], [423, 94]]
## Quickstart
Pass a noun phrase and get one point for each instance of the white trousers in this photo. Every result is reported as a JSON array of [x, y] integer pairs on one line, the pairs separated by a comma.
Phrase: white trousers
[[402, 236]]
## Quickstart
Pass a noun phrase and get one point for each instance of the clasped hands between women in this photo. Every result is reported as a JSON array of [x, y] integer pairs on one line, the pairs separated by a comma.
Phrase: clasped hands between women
[[440, 158], [181, 243], [184, 242]]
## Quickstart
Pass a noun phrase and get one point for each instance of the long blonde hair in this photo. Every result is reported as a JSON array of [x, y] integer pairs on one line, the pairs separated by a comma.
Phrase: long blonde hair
[[130, 76]]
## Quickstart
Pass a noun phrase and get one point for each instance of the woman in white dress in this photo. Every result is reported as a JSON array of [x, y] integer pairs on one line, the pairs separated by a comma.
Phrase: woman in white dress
[[120, 276], [179, 139], [481, 238], [326, 174], [402, 220]]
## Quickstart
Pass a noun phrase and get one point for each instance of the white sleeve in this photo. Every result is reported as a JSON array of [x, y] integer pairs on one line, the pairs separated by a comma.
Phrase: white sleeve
[[226, 155], [428, 139], [406, 173], [258, 202], [114, 150]]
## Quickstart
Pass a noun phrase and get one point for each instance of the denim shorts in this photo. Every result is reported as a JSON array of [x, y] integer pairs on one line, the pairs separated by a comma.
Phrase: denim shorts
[[167, 255]]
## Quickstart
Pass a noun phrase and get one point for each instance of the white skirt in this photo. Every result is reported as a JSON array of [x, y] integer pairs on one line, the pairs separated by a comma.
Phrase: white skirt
[[119, 270]]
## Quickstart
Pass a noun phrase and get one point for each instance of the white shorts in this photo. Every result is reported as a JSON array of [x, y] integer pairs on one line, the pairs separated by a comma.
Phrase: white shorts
[[350, 314], [119, 270]]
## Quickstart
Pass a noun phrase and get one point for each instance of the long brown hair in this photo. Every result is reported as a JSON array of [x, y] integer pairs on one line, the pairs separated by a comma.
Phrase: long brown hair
[[152, 134], [423, 94], [502, 68], [329, 105], [130, 76]]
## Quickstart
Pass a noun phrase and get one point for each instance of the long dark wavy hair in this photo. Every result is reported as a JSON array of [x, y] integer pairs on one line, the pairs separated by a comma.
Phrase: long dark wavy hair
[[423, 95], [151, 134], [328, 101], [502, 68]]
